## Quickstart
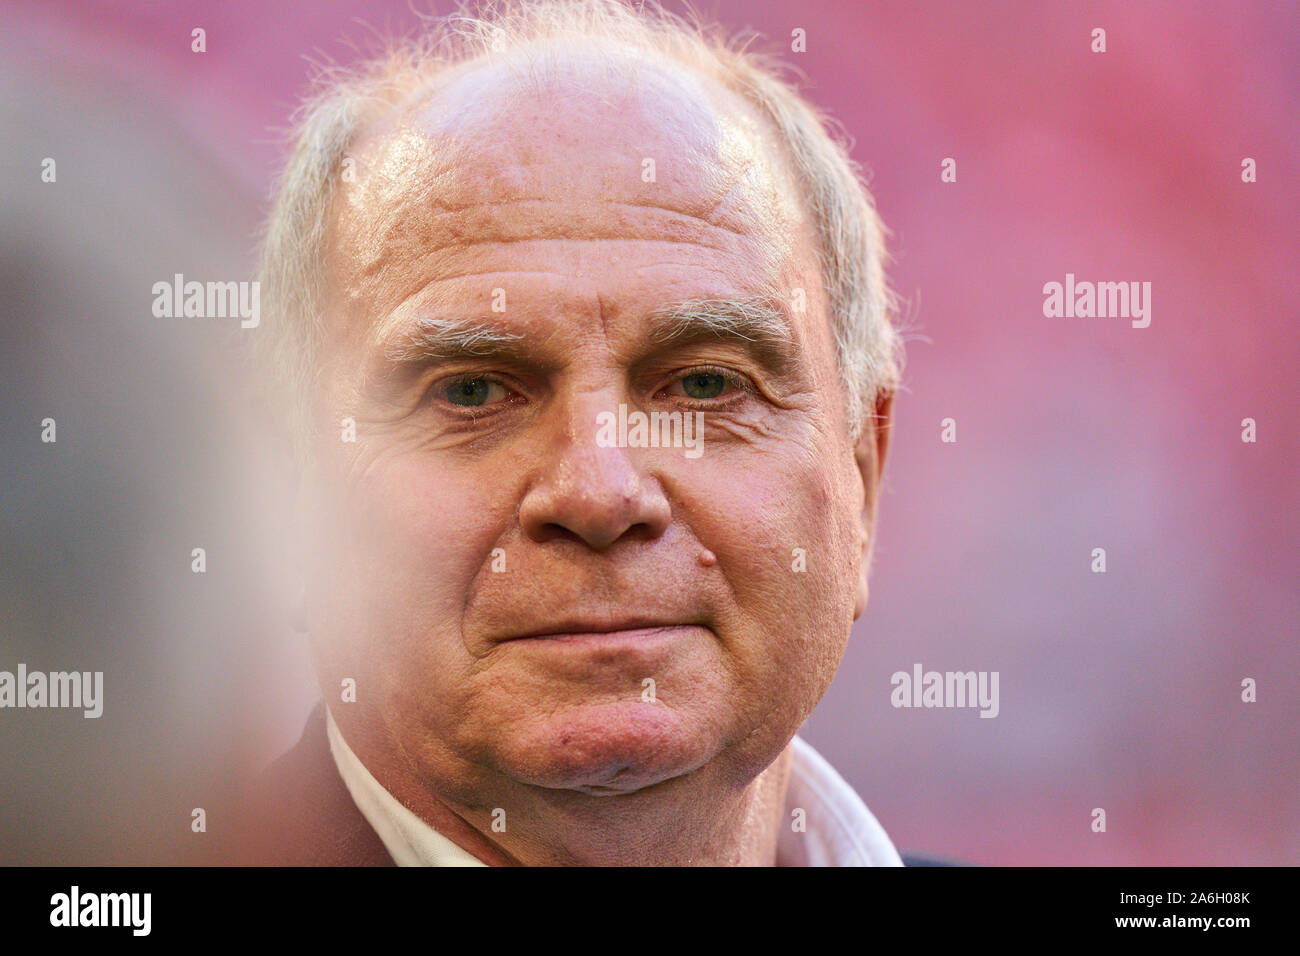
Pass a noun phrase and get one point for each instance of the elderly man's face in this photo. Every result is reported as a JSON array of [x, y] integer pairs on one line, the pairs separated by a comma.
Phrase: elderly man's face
[[521, 604]]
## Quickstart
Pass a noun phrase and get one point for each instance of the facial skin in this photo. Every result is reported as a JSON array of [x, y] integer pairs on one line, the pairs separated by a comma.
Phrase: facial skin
[[655, 565]]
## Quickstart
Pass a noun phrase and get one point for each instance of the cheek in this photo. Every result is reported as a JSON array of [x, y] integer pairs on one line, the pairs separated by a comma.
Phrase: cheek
[[782, 524], [781, 518], [409, 541]]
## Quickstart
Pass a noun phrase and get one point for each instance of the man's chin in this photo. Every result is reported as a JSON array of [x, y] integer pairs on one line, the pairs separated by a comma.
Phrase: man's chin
[[607, 749]]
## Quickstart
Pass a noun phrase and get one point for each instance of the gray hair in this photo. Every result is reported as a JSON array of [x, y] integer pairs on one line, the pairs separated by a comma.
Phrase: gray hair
[[851, 236]]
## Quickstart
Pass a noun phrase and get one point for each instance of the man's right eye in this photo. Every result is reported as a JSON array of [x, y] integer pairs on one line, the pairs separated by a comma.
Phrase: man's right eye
[[474, 392]]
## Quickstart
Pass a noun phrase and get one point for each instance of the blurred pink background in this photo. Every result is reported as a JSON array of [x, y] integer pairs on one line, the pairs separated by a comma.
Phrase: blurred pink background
[[1118, 690]]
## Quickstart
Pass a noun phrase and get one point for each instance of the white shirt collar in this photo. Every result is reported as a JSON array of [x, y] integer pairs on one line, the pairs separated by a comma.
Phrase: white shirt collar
[[837, 828], [841, 831]]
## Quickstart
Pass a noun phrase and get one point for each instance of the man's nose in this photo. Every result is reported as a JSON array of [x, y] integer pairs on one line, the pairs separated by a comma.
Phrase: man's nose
[[594, 494]]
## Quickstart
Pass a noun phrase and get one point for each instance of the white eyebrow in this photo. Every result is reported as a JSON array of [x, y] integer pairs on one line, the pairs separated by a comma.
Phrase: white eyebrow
[[447, 338], [754, 320]]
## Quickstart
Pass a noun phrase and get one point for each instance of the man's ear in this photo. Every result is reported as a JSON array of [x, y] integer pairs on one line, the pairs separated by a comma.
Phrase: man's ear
[[870, 455]]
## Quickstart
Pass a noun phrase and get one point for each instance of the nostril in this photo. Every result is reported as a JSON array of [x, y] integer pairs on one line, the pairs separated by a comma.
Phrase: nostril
[[552, 531]]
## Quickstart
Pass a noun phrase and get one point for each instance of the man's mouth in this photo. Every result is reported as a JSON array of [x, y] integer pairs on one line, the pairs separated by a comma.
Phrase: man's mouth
[[604, 632]]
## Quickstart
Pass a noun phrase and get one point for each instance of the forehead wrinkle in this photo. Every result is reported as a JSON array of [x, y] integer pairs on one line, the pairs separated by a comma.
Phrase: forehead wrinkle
[[377, 282], [462, 229]]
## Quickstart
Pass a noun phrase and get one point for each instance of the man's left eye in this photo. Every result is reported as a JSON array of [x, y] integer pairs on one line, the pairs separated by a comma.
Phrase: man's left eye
[[704, 384], [474, 392]]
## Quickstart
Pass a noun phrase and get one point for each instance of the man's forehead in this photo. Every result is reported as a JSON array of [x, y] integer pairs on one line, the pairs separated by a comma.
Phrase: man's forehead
[[571, 145]]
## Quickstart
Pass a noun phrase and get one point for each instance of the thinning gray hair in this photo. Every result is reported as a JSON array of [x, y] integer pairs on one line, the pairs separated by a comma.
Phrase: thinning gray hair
[[851, 236]]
